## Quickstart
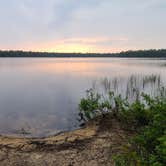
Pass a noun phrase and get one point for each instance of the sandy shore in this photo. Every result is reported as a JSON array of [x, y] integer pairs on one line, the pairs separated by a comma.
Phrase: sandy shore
[[93, 145]]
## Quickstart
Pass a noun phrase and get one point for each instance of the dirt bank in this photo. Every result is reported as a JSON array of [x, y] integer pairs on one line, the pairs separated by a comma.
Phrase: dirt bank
[[93, 145]]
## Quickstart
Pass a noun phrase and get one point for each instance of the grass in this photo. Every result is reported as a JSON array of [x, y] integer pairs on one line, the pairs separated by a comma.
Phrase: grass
[[141, 112]]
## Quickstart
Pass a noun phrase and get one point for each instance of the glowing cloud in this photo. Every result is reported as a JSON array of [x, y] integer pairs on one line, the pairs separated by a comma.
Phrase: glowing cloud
[[82, 26]]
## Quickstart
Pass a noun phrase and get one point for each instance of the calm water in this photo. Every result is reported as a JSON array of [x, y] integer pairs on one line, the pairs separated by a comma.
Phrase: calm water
[[42, 95]]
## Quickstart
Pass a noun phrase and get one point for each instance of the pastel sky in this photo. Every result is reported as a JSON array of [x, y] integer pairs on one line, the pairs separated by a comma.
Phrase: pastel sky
[[82, 25]]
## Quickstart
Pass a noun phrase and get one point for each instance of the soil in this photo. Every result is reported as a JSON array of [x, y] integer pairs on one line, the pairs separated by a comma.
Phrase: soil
[[93, 145]]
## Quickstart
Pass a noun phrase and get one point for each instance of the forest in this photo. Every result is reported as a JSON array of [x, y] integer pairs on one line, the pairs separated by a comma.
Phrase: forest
[[153, 53]]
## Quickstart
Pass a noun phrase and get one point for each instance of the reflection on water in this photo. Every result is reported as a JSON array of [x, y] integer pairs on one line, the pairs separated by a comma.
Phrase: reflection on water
[[41, 95]]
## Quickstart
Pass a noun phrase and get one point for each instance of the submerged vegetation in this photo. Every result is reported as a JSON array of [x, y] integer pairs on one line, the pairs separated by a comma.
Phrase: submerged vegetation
[[140, 111]]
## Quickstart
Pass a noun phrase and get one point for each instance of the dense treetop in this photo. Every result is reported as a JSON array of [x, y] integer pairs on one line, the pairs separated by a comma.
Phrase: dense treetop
[[138, 53]]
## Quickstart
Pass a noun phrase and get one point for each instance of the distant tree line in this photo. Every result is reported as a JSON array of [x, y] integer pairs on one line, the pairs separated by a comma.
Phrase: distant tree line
[[139, 53]]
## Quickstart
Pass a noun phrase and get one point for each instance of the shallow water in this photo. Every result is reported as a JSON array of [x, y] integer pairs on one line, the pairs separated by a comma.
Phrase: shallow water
[[41, 95]]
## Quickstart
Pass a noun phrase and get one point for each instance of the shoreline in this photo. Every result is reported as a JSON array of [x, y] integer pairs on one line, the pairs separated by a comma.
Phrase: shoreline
[[95, 144]]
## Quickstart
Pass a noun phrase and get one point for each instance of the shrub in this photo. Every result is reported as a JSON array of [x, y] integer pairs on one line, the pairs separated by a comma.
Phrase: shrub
[[146, 115]]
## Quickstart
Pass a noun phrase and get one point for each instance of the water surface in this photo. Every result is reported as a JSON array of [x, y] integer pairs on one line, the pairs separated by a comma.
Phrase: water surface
[[41, 95]]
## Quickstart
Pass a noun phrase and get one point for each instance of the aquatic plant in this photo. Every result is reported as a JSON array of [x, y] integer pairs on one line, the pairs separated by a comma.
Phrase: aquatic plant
[[145, 114]]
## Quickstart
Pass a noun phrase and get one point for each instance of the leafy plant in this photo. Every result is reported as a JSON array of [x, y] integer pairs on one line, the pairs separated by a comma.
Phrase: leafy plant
[[89, 105], [146, 115]]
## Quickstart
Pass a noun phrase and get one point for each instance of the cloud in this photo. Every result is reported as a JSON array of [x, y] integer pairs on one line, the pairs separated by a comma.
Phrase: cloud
[[100, 24], [64, 10], [92, 41]]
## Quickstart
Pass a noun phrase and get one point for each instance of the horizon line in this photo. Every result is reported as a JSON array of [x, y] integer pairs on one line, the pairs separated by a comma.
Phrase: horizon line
[[130, 50]]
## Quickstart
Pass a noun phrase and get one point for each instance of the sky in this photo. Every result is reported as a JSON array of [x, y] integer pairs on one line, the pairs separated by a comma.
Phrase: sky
[[82, 25]]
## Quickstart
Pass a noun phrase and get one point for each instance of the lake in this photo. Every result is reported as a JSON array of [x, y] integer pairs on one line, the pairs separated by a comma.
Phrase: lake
[[41, 95]]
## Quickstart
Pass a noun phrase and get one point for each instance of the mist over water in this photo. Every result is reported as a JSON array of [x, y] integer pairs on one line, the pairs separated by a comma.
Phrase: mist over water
[[41, 95]]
